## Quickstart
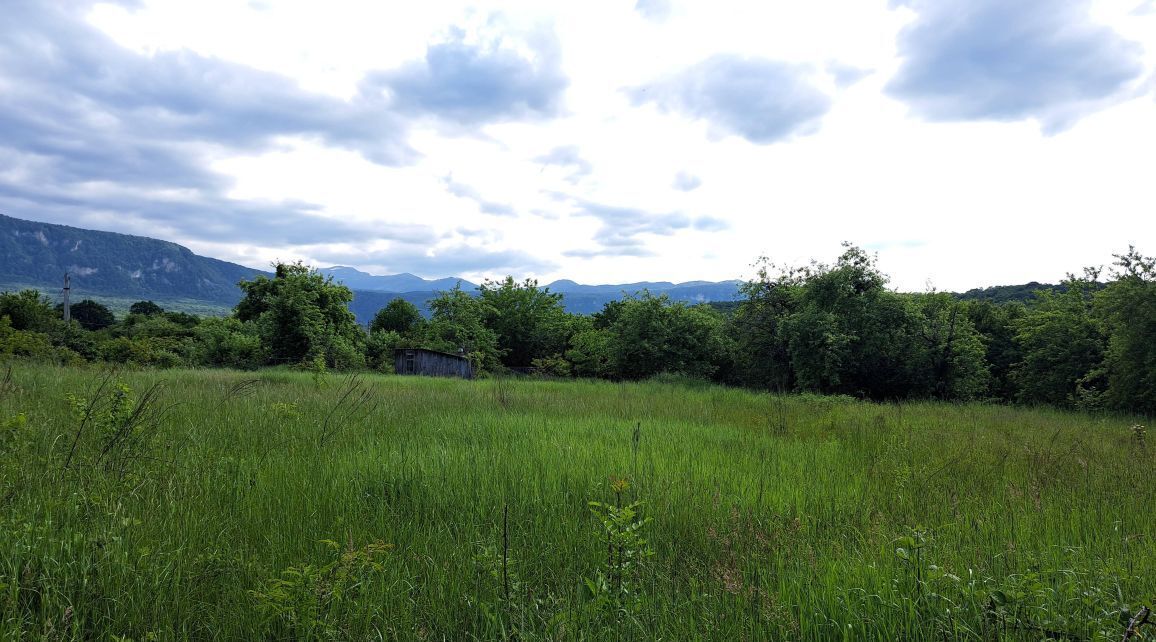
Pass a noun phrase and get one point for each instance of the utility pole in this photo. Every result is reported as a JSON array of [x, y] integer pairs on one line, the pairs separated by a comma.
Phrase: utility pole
[[67, 305]]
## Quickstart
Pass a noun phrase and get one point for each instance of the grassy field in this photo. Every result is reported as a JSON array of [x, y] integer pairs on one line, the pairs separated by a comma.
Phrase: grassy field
[[278, 505]]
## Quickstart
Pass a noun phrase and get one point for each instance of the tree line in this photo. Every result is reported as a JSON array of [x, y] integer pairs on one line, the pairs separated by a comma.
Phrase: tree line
[[830, 328]]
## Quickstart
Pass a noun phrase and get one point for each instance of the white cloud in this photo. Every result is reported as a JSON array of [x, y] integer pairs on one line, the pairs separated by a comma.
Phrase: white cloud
[[549, 122]]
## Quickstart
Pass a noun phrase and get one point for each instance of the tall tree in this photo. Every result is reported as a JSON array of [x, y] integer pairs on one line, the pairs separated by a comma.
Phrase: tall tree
[[301, 315], [398, 316], [529, 321], [1063, 347], [651, 335], [28, 310], [91, 315], [1128, 309], [457, 325]]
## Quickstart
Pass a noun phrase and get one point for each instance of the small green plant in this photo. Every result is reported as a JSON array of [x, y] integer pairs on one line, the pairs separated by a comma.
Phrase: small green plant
[[311, 599], [616, 586], [119, 424], [1140, 435], [317, 368], [11, 430]]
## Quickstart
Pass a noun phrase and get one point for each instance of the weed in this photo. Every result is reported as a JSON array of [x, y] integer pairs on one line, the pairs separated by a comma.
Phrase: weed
[[310, 599], [617, 585]]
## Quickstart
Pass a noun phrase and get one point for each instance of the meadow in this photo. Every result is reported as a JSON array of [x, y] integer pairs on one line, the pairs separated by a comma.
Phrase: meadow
[[194, 504]]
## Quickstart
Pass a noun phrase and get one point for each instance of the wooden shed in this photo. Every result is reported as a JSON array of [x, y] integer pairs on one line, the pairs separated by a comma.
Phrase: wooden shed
[[431, 363]]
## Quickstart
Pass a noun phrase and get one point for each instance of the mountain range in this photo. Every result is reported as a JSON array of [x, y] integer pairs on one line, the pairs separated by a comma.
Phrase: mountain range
[[120, 268]]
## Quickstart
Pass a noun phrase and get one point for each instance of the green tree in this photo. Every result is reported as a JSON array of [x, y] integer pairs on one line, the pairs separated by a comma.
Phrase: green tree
[[651, 335], [529, 321], [1062, 345], [301, 315], [763, 358], [145, 308], [952, 365], [398, 316], [228, 343], [1127, 307], [996, 325], [379, 349], [457, 325], [91, 315], [28, 310]]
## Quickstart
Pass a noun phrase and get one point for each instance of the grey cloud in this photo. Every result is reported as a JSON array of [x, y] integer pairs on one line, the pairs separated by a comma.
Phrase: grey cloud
[[710, 224], [211, 218], [654, 10], [461, 190], [622, 228], [451, 260], [567, 157], [69, 84], [471, 84], [686, 182], [92, 134], [1005, 61], [622, 251], [846, 75], [79, 111], [620, 225], [764, 101]]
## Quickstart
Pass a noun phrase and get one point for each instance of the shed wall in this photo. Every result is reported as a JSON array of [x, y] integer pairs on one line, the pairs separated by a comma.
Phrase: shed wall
[[431, 364]]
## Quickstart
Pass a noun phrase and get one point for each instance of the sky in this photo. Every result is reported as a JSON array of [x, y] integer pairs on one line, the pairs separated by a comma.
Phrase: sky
[[968, 143]]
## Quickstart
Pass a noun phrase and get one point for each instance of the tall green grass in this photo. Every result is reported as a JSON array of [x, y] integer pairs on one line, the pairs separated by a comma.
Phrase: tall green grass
[[443, 509]]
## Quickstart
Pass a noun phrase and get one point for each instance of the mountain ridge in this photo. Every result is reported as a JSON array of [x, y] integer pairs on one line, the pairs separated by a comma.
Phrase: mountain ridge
[[117, 266]]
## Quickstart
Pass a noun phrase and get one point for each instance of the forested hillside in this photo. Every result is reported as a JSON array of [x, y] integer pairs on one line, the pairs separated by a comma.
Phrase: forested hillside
[[38, 254]]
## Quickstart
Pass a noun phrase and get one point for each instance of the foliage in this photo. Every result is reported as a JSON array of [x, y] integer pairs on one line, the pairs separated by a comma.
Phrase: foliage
[[228, 343], [398, 316], [90, 314], [1062, 345], [301, 315], [379, 348], [836, 329], [996, 326], [33, 345], [311, 601], [458, 326], [617, 586], [528, 321], [145, 308], [1127, 308], [28, 310], [648, 335], [590, 353]]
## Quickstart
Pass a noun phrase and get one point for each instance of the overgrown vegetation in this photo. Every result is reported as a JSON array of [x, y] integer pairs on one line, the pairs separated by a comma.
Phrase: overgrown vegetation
[[226, 505], [823, 328]]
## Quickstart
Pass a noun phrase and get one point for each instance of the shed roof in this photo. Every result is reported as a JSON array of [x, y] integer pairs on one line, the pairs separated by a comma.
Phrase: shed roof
[[444, 354]]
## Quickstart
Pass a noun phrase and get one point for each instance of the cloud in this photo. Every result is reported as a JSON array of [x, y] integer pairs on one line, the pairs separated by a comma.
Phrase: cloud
[[654, 10], [94, 134], [764, 101], [1007, 61], [635, 251], [1145, 8], [686, 182], [846, 75], [567, 157], [456, 259], [461, 190], [471, 84], [623, 228], [710, 224]]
